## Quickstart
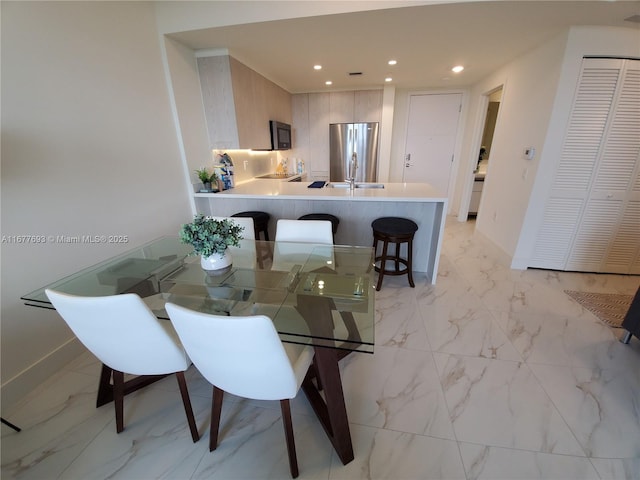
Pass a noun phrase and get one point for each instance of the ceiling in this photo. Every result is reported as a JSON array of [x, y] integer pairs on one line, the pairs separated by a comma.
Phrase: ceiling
[[427, 41]]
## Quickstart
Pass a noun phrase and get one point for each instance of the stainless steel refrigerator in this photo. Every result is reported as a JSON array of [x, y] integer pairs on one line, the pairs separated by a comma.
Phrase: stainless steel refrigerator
[[344, 140]]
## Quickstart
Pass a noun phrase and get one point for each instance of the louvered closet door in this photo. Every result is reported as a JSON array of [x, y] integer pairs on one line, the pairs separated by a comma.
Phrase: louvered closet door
[[580, 152], [609, 234], [591, 219], [625, 248]]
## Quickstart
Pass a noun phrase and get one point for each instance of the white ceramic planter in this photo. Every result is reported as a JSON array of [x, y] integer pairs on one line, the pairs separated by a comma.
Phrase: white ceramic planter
[[217, 264]]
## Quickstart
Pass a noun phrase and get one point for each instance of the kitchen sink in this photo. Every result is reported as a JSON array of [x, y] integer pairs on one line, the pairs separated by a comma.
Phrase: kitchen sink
[[357, 185]]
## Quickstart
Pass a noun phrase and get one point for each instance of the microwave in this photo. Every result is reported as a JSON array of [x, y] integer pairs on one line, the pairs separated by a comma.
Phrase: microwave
[[280, 135]]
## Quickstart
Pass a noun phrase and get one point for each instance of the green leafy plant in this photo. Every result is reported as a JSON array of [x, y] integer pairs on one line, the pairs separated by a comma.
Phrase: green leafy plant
[[208, 236], [205, 177]]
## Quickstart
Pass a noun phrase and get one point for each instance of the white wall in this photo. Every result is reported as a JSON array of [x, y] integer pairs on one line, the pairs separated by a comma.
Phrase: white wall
[[530, 84], [188, 110], [582, 41], [88, 147]]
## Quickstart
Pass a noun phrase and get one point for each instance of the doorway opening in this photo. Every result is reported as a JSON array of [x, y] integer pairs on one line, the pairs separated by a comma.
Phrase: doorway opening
[[484, 152]]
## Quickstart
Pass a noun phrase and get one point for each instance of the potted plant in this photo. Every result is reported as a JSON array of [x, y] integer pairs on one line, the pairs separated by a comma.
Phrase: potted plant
[[210, 239], [206, 178]]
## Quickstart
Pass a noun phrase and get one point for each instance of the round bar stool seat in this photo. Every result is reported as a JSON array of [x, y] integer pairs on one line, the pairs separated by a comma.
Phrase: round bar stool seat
[[260, 222], [394, 230], [323, 216]]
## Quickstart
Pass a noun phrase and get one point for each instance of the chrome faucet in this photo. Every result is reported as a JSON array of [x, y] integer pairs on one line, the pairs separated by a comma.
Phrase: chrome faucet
[[353, 168]]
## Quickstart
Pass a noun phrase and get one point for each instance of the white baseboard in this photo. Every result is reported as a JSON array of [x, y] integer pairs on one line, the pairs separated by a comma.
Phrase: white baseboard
[[520, 263], [30, 378], [503, 257]]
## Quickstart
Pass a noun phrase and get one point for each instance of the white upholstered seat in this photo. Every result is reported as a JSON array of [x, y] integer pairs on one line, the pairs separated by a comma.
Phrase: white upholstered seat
[[243, 356], [123, 333]]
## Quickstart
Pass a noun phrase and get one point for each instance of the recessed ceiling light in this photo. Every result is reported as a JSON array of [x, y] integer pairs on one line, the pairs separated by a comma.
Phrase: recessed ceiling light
[[317, 67], [328, 82], [392, 62], [457, 69], [388, 79]]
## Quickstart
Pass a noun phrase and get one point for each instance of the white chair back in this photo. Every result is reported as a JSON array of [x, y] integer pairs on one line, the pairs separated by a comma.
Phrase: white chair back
[[241, 355], [122, 332], [296, 240], [305, 231]]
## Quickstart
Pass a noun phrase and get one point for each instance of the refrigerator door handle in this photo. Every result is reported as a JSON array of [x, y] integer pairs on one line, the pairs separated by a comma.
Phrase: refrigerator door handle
[[407, 159]]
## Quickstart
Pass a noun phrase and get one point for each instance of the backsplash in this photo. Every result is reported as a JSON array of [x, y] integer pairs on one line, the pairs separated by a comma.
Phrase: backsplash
[[248, 164]]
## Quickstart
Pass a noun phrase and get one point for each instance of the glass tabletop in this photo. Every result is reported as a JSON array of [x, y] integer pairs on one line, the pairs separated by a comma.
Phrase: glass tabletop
[[320, 295]]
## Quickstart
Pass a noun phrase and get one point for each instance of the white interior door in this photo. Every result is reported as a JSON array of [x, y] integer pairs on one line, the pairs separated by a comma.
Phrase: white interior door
[[431, 139]]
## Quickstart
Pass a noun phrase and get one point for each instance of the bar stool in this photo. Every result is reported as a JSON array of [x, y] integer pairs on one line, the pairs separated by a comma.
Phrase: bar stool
[[323, 216], [260, 222], [393, 230]]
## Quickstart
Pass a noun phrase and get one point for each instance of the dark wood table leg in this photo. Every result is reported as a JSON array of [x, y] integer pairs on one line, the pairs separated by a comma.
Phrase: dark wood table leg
[[330, 410], [105, 387]]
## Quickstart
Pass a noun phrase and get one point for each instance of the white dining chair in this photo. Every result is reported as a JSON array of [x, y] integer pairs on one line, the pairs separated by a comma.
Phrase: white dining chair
[[125, 335], [245, 357], [304, 231], [299, 242]]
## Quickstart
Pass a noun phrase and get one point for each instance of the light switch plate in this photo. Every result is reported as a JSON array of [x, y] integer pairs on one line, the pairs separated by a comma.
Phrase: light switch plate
[[529, 153]]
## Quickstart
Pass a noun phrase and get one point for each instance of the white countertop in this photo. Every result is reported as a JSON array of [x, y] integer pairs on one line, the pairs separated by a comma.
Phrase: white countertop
[[407, 192]]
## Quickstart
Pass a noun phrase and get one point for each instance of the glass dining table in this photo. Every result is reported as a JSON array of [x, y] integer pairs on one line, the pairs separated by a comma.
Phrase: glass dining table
[[317, 295]]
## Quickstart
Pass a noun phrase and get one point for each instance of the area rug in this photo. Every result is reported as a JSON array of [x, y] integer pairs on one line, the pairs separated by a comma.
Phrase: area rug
[[608, 307]]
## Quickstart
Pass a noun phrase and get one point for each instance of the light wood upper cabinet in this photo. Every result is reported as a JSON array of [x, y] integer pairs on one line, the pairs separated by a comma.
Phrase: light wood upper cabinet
[[217, 96], [367, 106], [341, 107], [312, 114], [355, 106], [238, 104], [319, 114]]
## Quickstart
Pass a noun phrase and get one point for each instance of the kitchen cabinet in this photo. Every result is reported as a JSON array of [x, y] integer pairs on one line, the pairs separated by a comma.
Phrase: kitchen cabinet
[[360, 106], [367, 106], [319, 114], [476, 194], [310, 112], [238, 104], [313, 112], [341, 107]]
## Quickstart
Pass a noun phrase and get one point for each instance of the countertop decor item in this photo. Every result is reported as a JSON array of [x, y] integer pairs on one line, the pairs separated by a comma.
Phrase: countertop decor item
[[207, 179], [210, 239]]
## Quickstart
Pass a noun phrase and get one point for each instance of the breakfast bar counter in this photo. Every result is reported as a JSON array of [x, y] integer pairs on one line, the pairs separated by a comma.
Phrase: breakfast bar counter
[[408, 192], [355, 208]]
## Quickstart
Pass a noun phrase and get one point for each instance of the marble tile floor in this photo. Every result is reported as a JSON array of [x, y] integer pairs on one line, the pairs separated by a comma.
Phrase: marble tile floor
[[490, 374]]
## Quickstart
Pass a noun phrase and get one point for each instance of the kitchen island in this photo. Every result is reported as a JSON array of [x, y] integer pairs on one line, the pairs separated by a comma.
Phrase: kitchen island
[[356, 209]]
